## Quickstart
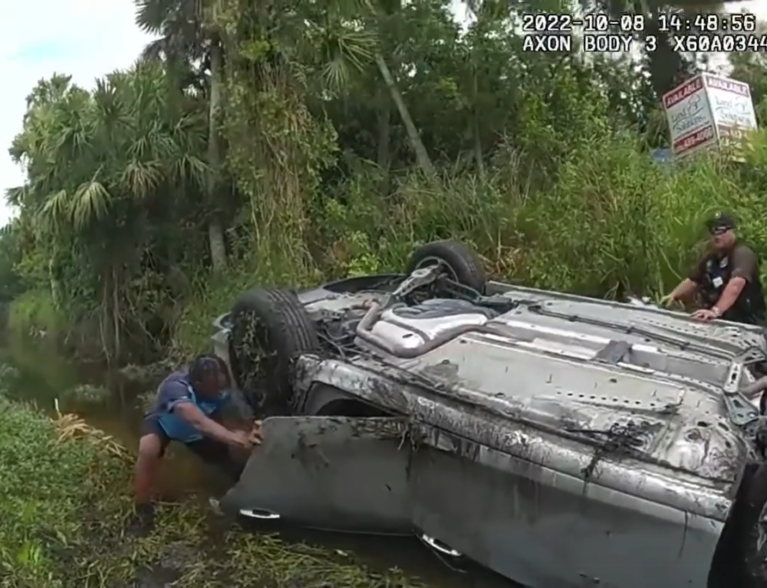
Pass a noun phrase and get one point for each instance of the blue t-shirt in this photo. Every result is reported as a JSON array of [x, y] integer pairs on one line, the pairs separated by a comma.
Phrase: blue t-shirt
[[174, 390]]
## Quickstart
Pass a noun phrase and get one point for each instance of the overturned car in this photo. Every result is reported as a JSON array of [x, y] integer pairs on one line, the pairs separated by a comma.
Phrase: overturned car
[[558, 440]]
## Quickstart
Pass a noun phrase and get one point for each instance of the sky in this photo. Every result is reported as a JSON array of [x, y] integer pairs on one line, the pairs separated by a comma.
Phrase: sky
[[85, 39]]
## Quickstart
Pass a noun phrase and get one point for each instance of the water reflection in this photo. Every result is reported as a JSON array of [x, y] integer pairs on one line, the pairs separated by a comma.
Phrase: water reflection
[[44, 375]]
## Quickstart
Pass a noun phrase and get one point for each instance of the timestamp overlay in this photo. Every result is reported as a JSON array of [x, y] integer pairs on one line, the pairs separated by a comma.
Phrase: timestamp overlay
[[710, 33], [593, 32]]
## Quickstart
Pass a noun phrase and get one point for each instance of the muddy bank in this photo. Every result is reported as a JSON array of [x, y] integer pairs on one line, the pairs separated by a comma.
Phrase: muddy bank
[[68, 499], [112, 401]]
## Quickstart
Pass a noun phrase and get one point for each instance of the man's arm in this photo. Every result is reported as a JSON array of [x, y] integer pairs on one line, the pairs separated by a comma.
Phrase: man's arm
[[207, 426], [177, 400], [743, 269], [230, 416]]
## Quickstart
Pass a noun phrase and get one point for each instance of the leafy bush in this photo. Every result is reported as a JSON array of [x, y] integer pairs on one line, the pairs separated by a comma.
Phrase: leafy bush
[[339, 139], [34, 313]]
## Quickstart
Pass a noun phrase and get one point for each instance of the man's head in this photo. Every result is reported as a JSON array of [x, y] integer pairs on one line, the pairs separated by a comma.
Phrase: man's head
[[208, 375], [722, 229]]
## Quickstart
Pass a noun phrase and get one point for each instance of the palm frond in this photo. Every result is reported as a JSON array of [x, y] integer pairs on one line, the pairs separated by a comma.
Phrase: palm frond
[[189, 168], [17, 196], [141, 178], [56, 210], [152, 14], [90, 204], [156, 50], [345, 51]]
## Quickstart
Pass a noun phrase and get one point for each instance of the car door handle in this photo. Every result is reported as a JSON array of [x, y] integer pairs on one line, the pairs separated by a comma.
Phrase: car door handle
[[438, 546], [260, 514]]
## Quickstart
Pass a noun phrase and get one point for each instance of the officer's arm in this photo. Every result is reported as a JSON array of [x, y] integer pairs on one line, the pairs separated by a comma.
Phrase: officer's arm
[[743, 268], [684, 290], [687, 287]]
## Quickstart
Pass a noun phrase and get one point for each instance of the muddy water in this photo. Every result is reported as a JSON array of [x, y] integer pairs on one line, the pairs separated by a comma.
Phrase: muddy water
[[44, 376]]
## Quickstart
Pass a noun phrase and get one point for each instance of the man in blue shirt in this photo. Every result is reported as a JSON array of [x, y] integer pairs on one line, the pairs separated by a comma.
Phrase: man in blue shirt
[[188, 409]]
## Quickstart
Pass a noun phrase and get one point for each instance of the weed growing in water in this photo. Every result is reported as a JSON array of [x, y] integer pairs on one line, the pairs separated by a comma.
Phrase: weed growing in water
[[84, 394]]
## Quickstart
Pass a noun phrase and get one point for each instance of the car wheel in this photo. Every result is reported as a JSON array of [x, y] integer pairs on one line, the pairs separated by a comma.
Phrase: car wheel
[[459, 261], [269, 330]]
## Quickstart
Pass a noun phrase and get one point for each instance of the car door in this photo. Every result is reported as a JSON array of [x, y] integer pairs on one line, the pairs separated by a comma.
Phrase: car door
[[467, 503], [328, 472], [547, 529]]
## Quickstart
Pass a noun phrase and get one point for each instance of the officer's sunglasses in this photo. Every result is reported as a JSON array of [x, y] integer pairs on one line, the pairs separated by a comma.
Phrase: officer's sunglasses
[[720, 230]]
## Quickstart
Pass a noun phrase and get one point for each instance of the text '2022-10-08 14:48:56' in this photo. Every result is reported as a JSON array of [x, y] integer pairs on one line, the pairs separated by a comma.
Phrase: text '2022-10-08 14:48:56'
[[599, 32]]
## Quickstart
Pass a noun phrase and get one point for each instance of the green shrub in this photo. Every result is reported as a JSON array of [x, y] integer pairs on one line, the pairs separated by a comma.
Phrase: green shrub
[[66, 499], [614, 222], [35, 313]]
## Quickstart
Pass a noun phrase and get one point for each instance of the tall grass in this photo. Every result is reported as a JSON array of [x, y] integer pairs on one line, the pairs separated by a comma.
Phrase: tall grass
[[612, 222]]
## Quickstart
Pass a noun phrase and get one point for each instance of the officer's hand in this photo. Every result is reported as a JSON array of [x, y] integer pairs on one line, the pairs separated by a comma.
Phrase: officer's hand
[[241, 439], [704, 315]]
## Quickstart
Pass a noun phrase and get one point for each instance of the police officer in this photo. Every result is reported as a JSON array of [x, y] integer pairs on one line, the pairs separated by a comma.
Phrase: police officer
[[726, 278]]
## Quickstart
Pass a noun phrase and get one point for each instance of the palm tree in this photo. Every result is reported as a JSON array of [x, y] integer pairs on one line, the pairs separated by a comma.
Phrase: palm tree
[[665, 65], [352, 39], [97, 163], [186, 37]]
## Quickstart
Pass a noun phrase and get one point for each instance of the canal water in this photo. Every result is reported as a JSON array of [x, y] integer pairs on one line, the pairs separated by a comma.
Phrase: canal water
[[45, 377]]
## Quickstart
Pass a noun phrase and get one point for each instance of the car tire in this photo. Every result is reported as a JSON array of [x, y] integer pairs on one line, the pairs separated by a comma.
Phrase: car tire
[[461, 262], [270, 328]]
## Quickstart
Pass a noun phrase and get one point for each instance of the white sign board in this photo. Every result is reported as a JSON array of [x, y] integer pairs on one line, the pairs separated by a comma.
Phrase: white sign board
[[707, 111]]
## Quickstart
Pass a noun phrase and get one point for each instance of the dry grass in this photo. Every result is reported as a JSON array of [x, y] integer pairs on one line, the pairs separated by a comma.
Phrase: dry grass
[[71, 427]]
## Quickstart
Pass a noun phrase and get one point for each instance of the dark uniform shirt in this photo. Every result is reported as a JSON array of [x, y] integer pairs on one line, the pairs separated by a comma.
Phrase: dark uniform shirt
[[715, 270]]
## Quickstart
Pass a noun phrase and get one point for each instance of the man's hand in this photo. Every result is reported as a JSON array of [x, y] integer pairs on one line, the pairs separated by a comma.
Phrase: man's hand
[[240, 439], [255, 434], [669, 300], [704, 314]]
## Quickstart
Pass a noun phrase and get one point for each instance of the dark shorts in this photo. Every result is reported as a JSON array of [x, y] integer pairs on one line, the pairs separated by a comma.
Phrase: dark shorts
[[208, 450]]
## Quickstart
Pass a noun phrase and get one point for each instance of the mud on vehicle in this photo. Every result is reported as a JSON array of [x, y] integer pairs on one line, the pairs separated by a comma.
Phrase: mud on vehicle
[[558, 440]]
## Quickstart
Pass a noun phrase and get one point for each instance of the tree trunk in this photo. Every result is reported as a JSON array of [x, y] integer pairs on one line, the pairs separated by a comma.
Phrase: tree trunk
[[215, 227], [479, 157], [665, 64], [477, 140], [384, 138], [419, 148], [116, 331], [55, 285]]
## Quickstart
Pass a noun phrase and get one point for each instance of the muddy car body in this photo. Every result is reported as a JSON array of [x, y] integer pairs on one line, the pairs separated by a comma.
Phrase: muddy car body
[[558, 440]]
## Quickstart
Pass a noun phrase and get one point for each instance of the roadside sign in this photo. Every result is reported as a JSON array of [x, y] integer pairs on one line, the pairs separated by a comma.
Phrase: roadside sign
[[708, 111]]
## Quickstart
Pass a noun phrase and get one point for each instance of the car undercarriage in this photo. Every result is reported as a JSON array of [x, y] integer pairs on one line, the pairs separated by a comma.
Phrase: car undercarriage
[[558, 440]]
